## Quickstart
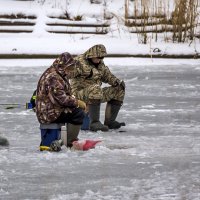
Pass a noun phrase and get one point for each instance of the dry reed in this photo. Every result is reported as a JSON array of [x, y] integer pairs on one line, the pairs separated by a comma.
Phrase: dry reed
[[151, 14]]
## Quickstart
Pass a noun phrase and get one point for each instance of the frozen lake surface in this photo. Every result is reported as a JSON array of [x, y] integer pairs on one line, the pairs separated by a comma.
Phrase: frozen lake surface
[[157, 158]]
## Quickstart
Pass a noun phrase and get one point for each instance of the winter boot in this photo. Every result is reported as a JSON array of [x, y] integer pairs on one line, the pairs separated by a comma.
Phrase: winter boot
[[112, 110], [72, 133], [94, 114]]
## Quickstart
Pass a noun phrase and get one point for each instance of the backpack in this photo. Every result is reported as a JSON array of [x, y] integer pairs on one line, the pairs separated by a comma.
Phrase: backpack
[[31, 104]]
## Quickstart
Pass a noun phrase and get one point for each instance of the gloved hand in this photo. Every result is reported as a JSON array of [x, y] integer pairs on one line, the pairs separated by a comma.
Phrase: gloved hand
[[120, 83], [81, 104]]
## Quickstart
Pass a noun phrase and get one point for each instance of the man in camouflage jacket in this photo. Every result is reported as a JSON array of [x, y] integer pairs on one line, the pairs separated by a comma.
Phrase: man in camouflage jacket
[[89, 75], [54, 102]]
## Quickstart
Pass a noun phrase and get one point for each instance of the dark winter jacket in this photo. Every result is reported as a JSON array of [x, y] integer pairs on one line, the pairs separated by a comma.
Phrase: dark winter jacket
[[54, 92]]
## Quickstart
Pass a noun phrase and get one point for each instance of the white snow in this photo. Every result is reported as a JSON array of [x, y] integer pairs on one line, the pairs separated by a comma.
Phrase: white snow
[[127, 63], [118, 40], [157, 158]]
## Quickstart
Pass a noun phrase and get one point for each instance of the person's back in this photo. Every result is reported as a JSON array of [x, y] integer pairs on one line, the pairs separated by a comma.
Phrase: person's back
[[53, 95]]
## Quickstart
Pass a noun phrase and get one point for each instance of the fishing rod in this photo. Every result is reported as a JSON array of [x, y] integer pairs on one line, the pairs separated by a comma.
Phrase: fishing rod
[[17, 105], [29, 105]]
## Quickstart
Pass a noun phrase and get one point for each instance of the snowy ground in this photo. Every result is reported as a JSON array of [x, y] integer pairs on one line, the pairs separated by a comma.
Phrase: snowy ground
[[157, 158]]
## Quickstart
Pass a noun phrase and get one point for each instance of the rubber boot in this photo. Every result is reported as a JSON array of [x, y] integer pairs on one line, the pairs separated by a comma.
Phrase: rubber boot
[[112, 110], [72, 133], [94, 114]]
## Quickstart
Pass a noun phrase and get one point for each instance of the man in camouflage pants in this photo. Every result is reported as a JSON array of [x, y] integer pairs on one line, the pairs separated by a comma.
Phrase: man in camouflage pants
[[86, 83]]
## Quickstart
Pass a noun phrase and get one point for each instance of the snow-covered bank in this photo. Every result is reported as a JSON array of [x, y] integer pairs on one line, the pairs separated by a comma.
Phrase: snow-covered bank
[[118, 40], [7, 64]]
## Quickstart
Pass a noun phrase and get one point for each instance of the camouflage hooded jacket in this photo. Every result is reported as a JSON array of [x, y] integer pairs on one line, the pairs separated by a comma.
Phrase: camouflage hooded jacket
[[54, 91], [87, 74]]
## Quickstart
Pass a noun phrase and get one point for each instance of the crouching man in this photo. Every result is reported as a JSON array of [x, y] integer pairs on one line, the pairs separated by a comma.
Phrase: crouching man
[[55, 103], [86, 85]]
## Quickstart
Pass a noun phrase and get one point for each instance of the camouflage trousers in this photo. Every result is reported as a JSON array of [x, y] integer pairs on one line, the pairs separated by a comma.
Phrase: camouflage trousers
[[104, 94]]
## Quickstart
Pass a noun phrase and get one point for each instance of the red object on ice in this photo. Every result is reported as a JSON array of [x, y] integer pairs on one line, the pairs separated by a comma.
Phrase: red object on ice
[[85, 144], [89, 144]]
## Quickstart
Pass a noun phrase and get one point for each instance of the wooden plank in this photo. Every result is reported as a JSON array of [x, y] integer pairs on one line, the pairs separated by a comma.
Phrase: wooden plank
[[15, 23], [146, 16], [61, 22], [15, 31], [28, 56], [18, 16], [78, 25], [75, 32], [147, 22]]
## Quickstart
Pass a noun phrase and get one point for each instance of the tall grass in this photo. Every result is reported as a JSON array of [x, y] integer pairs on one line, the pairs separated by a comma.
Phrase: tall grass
[[176, 16], [184, 19]]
